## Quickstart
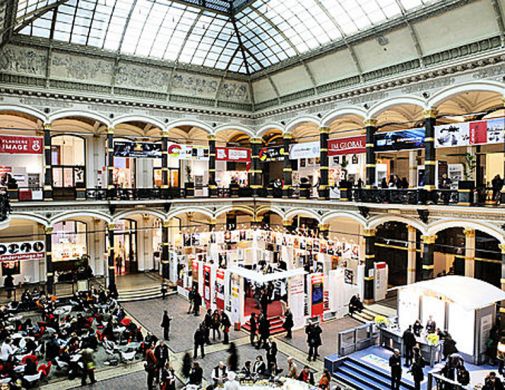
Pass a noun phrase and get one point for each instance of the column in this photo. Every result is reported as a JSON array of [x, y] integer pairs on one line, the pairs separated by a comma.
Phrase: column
[[164, 164], [411, 254], [324, 230], [502, 282], [212, 166], [165, 259], [502, 195], [371, 128], [110, 259], [110, 160], [287, 171], [469, 252], [257, 221], [255, 172], [428, 256], [48, 230], [48, 169], [288, 225], [413, 169], [430, 159], [324, 190], [369, 235]]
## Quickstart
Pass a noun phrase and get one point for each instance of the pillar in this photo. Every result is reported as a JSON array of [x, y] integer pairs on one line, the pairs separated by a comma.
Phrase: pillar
[[411, 254], [369, 235], [255, 172], [430, 159], [49, 259], [257, 221], [164, 164], [324, 230], [165, 259], [502, 283], [287, 171], [110, 160], [324, 190], [469, 253], [288, 225], [371, 128], [48, 169], [110, 259], [413, 169], [502, 196], [212, 166], [428, 256]]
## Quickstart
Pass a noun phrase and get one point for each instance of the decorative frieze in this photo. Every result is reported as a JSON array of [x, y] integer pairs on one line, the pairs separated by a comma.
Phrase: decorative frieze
[[24, 61], [79, 68]]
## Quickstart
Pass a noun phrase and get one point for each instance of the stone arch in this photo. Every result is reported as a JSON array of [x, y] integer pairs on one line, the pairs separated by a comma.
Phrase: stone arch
[[383, 105], [344, 214], [272, 209], [78, 113], [189, 122], [379, 220], [339, 112], [127, 213], [488, 228], [473, 86], [295, 122], [200, 210], [305, 212], [271, 126], [76, 214], [24, 110], [30, 217], [245, 209], [138, 118], [240, 128]]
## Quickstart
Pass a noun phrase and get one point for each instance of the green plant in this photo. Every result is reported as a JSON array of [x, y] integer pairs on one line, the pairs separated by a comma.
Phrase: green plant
[[432, 339], [469, 165], [381, 320]]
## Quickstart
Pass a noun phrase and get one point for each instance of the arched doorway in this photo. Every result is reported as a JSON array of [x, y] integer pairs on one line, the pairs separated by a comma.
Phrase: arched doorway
[[68, 159]]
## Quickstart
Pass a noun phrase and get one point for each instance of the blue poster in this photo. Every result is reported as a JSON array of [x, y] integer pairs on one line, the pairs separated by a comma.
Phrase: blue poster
[[400, 140]]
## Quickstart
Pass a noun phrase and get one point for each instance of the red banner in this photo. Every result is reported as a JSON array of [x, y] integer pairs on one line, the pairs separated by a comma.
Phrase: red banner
[[349, 145], [18, 144], [317, 299], [478, 133], [233, 154], [206, 284], [220, 289]]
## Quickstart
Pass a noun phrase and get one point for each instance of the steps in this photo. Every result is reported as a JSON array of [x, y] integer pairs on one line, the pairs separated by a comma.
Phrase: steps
[[275, 326], [360, 375], [369, 312], [140, 294]]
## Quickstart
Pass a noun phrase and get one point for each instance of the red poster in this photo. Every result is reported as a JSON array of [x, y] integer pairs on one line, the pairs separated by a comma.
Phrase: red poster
[[233, 154], [220, 289], [349, 145], [194, 273], [317, 297], [478, 133], [206, 284], [17, 144]]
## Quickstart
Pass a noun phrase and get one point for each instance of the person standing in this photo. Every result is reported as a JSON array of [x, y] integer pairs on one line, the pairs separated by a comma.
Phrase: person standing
[[199, 342], [314, 340], [431, 325], [395, 362], [9, 285], [196, 375], [288, 323], [417, 373], [191, 299], [226, 324], [165, 324], [197, 302], [271, 353], [215, 322], [119, 264], [492, 382], [207, 321], [89, 366], [168, 378], [264, 331], [409, 341], [254, 328], [264, 302], [150, 367], [417, 328], [162, 357]]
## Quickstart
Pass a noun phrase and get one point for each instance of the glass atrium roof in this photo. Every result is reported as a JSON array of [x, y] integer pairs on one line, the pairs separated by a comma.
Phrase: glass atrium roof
[[236, 35]]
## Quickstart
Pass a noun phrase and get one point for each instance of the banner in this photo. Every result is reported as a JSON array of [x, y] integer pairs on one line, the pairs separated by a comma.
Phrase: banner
[[496, 131], [470, 133], [348, 145], [187, 152], [233, 154], [137, 149], [400, 140], [22, 250], [317, 308], [206, 284], [18, 144], [219, 285], [306, 150], [273, 153]]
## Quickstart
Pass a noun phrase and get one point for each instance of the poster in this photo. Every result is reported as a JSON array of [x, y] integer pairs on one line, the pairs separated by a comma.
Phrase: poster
[[317, 294], [206, 284], [273, 153], [137, 149], [187, 152], [22, 250], [496, 131], [348, 145], [470, 133], [380, 281], [233, 154], [220, 289], [306, 150], [18, 144], [400, 140]]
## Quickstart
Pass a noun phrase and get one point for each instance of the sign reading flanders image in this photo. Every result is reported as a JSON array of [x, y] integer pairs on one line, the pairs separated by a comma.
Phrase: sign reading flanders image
[[22, 250], [400, 140]]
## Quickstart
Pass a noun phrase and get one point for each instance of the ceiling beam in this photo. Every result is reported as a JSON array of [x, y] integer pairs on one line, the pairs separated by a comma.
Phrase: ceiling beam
[[499, 19], [413, 33], [31, 16]]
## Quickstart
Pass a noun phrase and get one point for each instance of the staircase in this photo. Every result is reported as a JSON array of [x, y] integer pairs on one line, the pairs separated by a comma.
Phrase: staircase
[[362, 376], [275, 326], [140, 294], [370, 311]]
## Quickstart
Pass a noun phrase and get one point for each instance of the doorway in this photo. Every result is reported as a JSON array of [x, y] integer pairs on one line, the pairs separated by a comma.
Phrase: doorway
[[68, 166], [125, 247]]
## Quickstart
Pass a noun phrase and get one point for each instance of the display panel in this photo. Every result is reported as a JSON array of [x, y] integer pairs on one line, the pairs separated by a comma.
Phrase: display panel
[[462, 327]]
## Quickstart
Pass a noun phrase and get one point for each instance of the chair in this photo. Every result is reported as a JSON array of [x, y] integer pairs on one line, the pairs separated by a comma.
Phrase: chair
[[45, 369], [32, 380], [127, 356]]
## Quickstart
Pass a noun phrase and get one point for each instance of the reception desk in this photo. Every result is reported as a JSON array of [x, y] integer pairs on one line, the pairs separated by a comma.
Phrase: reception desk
[[392, 339]]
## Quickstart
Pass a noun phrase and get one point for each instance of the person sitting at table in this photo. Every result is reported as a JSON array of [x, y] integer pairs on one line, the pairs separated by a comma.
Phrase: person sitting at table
[[247, 371], [30, 367], [6, 350], [219, 374], [259, 367], [306, 376]]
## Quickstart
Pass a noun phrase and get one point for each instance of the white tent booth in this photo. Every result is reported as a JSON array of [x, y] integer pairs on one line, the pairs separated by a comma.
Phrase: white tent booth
[[465, 307]]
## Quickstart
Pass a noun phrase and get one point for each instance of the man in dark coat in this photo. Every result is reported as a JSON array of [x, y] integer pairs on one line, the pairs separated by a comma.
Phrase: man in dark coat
[[199, 341], [165, 324], [409, 341], [288, 323], [197, 302], [254, 328], [264, 331], [313, 332], [226, 324], [196, 375], [208, 324], [161, 353], [395, 362]]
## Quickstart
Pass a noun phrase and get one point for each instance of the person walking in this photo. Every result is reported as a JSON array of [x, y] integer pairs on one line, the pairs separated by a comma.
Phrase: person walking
[[417, 374], [271, 353], [165, 324], [264, 331], [395, 362], [168, 378], [197, 302], [191, 299], [288, 323], [409, 341], [253, 328], [196, 375], [313, 332], [226, 324], [207, 321], [162, 357], [199, 342], [89, 365], [215, 322], [150, 367]]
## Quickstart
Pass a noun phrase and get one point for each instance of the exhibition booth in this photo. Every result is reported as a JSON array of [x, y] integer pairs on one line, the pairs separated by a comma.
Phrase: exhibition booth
[[464, 307]]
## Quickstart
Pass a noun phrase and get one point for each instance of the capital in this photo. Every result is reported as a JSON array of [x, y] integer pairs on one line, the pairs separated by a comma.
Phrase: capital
[[255, 140], [211, 137], [431, 113], [429, 239], [48, 229], [369, 232], [47, 126], [469, 233], [371, 123], [110, 130]]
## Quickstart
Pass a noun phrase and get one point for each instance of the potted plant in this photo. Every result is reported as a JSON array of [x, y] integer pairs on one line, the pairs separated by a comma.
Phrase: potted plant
[[381, 321], [345, 186], [189, 185], [466, 186]]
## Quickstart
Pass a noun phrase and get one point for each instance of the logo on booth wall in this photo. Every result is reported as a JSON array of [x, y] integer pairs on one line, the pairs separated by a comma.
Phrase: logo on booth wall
[[36, 145], [174, 150]]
